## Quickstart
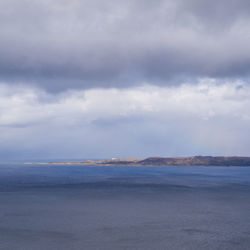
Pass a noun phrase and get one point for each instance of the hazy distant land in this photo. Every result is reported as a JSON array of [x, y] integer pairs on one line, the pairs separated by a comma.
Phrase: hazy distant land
[[166, 161]]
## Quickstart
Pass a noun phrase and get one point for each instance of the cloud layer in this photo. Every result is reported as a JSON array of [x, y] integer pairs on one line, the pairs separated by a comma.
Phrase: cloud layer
[[60, 45], [206, 118], [120, 78]]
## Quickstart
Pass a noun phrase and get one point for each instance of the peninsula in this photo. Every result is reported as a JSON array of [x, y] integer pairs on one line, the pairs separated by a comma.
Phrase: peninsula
[[168, 161]]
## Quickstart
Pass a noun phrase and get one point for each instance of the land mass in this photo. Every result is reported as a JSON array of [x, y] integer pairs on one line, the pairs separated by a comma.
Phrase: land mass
[[168, 161]]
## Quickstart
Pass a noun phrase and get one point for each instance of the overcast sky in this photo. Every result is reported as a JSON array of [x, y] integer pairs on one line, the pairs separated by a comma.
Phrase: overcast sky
[[135, 78]]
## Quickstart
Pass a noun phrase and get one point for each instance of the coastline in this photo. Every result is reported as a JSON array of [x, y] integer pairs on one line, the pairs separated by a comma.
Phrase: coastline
[[161, 161]]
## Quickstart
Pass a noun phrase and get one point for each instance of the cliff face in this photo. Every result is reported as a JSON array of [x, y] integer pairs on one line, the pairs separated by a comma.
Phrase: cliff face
[[179, 161]]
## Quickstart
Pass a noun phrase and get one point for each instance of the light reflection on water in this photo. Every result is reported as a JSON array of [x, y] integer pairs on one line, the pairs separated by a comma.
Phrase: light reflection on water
[[80, 207]]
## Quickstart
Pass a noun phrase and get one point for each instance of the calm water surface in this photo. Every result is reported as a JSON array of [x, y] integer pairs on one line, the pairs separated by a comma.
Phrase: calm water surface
[[46, 207]]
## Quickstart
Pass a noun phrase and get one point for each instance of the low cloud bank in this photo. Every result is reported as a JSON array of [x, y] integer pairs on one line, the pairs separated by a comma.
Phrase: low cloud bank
[[207, 118]]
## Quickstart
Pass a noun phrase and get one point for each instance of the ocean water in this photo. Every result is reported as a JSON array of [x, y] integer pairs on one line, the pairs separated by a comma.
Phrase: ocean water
[[52, 207]]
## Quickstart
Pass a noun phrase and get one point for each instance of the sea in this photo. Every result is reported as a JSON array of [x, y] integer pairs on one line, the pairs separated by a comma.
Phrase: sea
[[64, 207]]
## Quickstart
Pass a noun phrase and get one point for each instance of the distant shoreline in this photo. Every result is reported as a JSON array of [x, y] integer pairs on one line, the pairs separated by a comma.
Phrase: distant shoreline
[[162, 161]]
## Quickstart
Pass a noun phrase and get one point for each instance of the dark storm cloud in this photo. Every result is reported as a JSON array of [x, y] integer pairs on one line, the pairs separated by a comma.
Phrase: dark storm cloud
[[217, 14], [68, 44]]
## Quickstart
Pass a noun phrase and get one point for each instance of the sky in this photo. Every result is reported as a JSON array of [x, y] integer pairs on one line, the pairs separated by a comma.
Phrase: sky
[[137, 78]]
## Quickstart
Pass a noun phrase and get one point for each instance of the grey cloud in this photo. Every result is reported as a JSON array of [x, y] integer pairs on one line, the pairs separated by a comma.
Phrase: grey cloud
[[217, 14], [81, 44]]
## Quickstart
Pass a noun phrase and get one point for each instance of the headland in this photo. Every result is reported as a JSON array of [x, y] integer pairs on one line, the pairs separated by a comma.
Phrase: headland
[[166, 161]]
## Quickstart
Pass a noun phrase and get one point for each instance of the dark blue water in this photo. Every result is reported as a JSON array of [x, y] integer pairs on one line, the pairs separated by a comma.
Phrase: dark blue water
[[80, 207]]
